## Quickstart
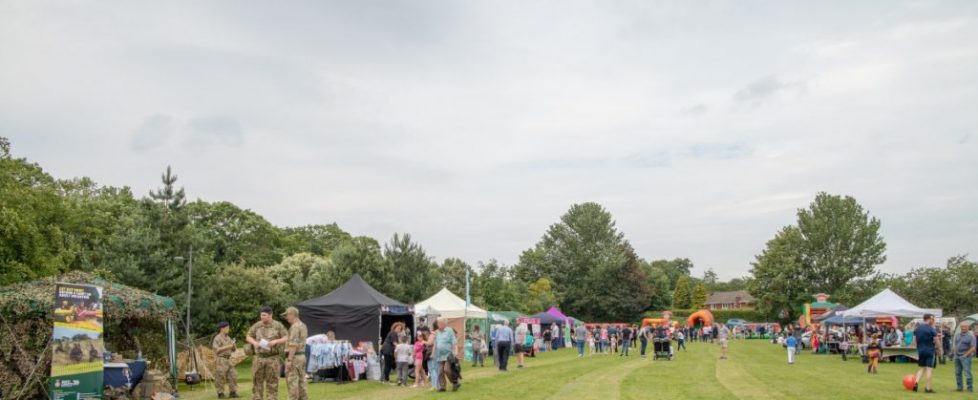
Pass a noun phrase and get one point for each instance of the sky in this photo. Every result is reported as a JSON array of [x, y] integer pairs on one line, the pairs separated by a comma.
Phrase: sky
[[474, 125]]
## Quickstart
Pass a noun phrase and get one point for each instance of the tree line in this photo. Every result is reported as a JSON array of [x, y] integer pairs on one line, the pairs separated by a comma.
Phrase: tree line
[[242, 261], [582, 263]]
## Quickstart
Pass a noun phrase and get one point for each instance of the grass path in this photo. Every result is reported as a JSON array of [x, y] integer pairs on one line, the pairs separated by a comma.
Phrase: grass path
[[755, 370]]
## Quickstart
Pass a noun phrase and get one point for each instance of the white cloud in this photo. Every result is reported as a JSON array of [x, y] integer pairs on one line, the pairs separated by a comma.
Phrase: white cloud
[[475, 125]]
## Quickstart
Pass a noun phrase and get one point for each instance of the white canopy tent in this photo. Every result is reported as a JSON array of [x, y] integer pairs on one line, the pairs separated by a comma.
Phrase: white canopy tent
[[451, 306], [426, 311], [453, 309], [888, 303]]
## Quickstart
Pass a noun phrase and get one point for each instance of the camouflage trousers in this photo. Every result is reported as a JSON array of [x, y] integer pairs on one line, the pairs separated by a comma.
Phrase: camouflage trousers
[[295, 378], [226, 375], [266, 372]]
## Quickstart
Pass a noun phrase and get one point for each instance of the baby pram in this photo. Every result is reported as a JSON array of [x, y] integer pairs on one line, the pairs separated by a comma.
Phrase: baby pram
[[663, 348]]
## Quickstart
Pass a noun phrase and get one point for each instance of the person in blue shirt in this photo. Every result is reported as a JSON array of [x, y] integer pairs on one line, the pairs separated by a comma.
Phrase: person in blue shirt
[[504, 342], [927, 338], [792, 344]]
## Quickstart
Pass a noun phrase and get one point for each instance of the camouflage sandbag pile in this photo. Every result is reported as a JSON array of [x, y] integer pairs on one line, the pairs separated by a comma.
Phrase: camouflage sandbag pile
[[119, 393], [153, 382], [237, 357]]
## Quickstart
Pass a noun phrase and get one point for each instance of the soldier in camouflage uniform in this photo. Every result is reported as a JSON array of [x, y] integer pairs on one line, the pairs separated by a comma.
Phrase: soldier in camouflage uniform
[[268, 337], [223, 347], [295, 364]]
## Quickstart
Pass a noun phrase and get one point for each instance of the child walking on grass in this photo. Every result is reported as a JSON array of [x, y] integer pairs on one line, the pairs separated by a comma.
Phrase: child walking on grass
[[419, 375], [792, 344], [403, 355], [875, 353]]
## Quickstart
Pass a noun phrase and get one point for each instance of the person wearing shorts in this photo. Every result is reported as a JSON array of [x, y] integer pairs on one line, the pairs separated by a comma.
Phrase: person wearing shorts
[[722, 334], [927, 338]]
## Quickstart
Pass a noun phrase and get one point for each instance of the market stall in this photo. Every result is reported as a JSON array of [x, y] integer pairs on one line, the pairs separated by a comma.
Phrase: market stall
[[459, 315], [138, 330], [889, 304], [355, 312]]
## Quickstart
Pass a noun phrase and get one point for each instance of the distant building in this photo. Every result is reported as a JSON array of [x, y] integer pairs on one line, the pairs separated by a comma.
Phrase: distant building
[[729, 300]]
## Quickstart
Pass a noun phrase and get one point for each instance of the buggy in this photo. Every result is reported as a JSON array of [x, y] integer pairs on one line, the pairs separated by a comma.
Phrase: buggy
[[662, 348]]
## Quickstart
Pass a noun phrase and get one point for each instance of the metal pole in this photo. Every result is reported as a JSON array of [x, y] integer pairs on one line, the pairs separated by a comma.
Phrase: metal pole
[[190, 275]]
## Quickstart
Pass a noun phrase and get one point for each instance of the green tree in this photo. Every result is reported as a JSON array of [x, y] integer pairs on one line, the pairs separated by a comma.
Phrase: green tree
[[699, 295], [4, 147], [32, 241], [681, 299], [578, 255], [674, 269], [171, 199], [533, 265], [412, 268], [303, 276], [320, 240], [452, 276], [710, 279], [777, 276], [236, 236], [950, 288], [497, 291], [627, 297], [239, 292], [731, 285], [660, 292], [839, 242], [540, 295], [362, 255]]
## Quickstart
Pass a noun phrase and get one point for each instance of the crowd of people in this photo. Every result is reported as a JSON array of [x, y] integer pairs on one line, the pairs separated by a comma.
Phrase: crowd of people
[[932, 343], [433, 353]]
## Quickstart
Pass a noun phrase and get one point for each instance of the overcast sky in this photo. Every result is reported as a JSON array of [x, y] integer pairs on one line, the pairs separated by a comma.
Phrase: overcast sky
[[701, 126]]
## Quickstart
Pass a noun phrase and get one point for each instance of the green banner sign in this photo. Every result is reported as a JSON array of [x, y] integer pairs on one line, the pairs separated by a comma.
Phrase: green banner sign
[[76, 362]]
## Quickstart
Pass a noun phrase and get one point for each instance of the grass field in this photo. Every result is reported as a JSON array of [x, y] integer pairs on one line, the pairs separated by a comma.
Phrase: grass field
[[754, 370]]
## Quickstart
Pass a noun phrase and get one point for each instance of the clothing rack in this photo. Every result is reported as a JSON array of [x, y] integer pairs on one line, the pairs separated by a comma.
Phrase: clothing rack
[[339, 371]]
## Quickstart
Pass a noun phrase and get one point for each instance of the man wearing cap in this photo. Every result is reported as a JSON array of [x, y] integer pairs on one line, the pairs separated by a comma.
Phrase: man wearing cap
[[295, 361], [268, 337], [223, 347]]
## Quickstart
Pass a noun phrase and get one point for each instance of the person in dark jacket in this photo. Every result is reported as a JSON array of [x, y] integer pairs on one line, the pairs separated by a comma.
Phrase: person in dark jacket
[[387, 350]]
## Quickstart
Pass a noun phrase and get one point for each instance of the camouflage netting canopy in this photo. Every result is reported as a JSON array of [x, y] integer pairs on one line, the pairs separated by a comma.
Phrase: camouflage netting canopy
[[35, 299], [26, 323]]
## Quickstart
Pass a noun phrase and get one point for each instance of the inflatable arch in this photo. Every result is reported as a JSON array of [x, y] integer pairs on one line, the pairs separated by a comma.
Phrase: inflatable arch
[[703, 317], [659, 321]]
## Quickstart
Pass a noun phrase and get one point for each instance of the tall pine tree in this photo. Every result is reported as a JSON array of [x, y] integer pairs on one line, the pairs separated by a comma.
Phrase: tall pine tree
[[680, 297], [699, 295]]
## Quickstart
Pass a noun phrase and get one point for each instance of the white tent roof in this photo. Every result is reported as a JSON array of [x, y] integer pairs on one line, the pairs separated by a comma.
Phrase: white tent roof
[[888, 303], [451, 306], [425, 311]]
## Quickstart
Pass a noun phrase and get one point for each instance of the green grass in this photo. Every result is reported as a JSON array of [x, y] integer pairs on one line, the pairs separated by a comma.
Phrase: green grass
[[754, 370]]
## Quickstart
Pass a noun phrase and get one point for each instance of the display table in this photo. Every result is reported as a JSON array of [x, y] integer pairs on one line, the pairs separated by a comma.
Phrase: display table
[[891, 353], [124, 374]]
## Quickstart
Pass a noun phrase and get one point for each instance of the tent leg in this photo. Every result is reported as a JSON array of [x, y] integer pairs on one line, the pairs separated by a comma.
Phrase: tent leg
[[172, 354]]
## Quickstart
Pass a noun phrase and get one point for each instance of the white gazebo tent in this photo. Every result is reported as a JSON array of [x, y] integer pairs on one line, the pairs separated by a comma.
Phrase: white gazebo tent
[[425, 316], [454, 310], [887, 303]]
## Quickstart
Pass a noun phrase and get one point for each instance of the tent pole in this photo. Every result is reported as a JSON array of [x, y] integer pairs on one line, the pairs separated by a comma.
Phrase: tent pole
[[172, 353]]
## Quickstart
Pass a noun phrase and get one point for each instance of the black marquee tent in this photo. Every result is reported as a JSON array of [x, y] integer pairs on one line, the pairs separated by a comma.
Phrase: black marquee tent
[[354, 311]]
